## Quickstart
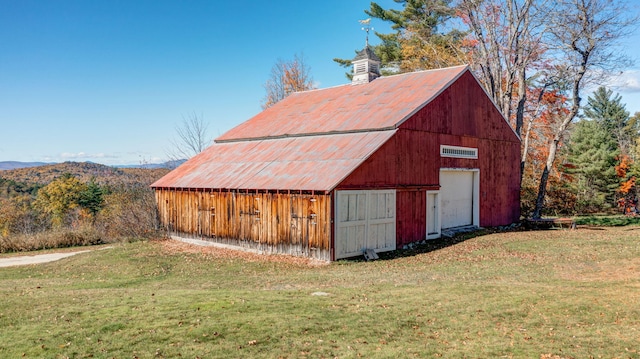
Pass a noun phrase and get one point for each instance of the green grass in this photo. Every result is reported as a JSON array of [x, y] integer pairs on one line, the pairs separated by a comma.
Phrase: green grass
[[608, 221], [552, 294]]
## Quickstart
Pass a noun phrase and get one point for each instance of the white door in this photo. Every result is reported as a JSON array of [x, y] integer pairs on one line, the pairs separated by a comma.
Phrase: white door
[[433, 214], [364, 220], [459, 200]]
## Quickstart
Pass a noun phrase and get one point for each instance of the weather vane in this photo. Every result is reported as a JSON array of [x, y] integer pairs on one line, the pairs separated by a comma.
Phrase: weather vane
[[366, 27]]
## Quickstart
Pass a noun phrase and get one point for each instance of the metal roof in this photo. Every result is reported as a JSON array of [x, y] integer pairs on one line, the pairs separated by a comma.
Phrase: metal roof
[[314, 163], [311, 140], [381, 104]]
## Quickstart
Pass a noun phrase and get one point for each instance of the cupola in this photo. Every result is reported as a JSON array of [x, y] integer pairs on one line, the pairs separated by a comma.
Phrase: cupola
[[366, 66]]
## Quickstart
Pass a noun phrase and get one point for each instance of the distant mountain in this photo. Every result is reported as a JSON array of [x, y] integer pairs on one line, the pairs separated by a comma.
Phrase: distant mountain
[[168, 164], [11, 165], [85, 171]]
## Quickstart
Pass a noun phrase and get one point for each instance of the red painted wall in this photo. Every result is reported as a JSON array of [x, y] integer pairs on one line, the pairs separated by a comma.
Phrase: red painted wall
[[462, 115]]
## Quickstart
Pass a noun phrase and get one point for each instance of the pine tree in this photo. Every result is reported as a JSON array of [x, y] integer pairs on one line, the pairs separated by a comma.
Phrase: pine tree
[[92, 198], [593, 153], [612, 115], [416, 42]]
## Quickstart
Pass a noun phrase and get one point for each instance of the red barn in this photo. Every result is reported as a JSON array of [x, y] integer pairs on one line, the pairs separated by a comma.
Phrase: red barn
[[330, 173]]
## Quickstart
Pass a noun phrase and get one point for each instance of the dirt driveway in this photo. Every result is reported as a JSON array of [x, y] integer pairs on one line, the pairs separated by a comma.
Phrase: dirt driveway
[[36, 259]]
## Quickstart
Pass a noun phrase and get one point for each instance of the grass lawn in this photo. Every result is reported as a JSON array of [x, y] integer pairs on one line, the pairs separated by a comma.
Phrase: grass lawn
[[608, 220], [544, 294]]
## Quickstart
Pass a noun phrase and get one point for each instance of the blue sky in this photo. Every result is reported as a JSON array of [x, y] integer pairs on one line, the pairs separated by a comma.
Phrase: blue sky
[[109, 80]]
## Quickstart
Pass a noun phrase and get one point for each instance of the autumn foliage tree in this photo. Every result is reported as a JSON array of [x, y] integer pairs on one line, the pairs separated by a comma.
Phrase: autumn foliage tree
[[60, 199], [582, 35], [18, 217], [503, 46], [286, 78], [541, 120], [627, 191]]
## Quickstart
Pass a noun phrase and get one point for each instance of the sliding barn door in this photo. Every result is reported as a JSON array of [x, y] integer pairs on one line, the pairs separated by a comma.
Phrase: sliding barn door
[[364, 220]]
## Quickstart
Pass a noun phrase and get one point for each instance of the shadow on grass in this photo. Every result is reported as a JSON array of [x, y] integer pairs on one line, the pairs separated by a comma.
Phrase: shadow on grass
[[431, 245], [426, 246]]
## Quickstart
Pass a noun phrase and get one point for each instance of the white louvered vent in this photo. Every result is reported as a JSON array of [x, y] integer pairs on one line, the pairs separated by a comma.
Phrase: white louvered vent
[[458, 152]]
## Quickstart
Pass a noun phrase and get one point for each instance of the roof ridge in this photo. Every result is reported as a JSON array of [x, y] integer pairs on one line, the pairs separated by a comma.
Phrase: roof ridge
[[309, 134], [381, 77], [466, 66]]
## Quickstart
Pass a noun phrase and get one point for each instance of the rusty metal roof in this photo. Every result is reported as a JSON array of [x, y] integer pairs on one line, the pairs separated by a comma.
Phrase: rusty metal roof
[[313, 163], [381, 104], [311, 140]]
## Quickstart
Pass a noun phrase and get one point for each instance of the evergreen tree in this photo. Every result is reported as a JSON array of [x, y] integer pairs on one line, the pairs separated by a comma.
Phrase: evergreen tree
[[634, 122], [416, 42], [608, 110], [593, 153], [92, 198]]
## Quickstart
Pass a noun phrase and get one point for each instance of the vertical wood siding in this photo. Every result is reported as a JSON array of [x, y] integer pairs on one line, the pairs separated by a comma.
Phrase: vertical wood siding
[[462, 115], [411, 216], [287, 223]]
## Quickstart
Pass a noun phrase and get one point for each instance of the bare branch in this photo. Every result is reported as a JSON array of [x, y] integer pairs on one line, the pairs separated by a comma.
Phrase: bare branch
[[192, 137]]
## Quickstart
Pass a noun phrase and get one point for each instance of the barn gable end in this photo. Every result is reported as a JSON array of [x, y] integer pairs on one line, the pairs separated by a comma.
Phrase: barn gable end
[[460, 116]]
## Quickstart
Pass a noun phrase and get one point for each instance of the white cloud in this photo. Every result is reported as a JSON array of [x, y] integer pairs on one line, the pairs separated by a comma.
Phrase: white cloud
[[85, 156], [625, 82], [109, 159]]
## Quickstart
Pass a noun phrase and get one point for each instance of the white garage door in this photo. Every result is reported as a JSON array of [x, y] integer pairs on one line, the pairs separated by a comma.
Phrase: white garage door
[[457, 198], [364, 220]]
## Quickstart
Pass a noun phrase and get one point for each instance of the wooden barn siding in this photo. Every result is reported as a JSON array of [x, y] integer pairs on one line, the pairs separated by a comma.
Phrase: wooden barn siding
[[410, 161], [411, 214], [501, 192], [288, 223]]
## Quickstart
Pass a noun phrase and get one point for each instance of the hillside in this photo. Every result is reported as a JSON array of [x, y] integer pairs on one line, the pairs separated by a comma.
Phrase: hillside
[[84, 171]]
